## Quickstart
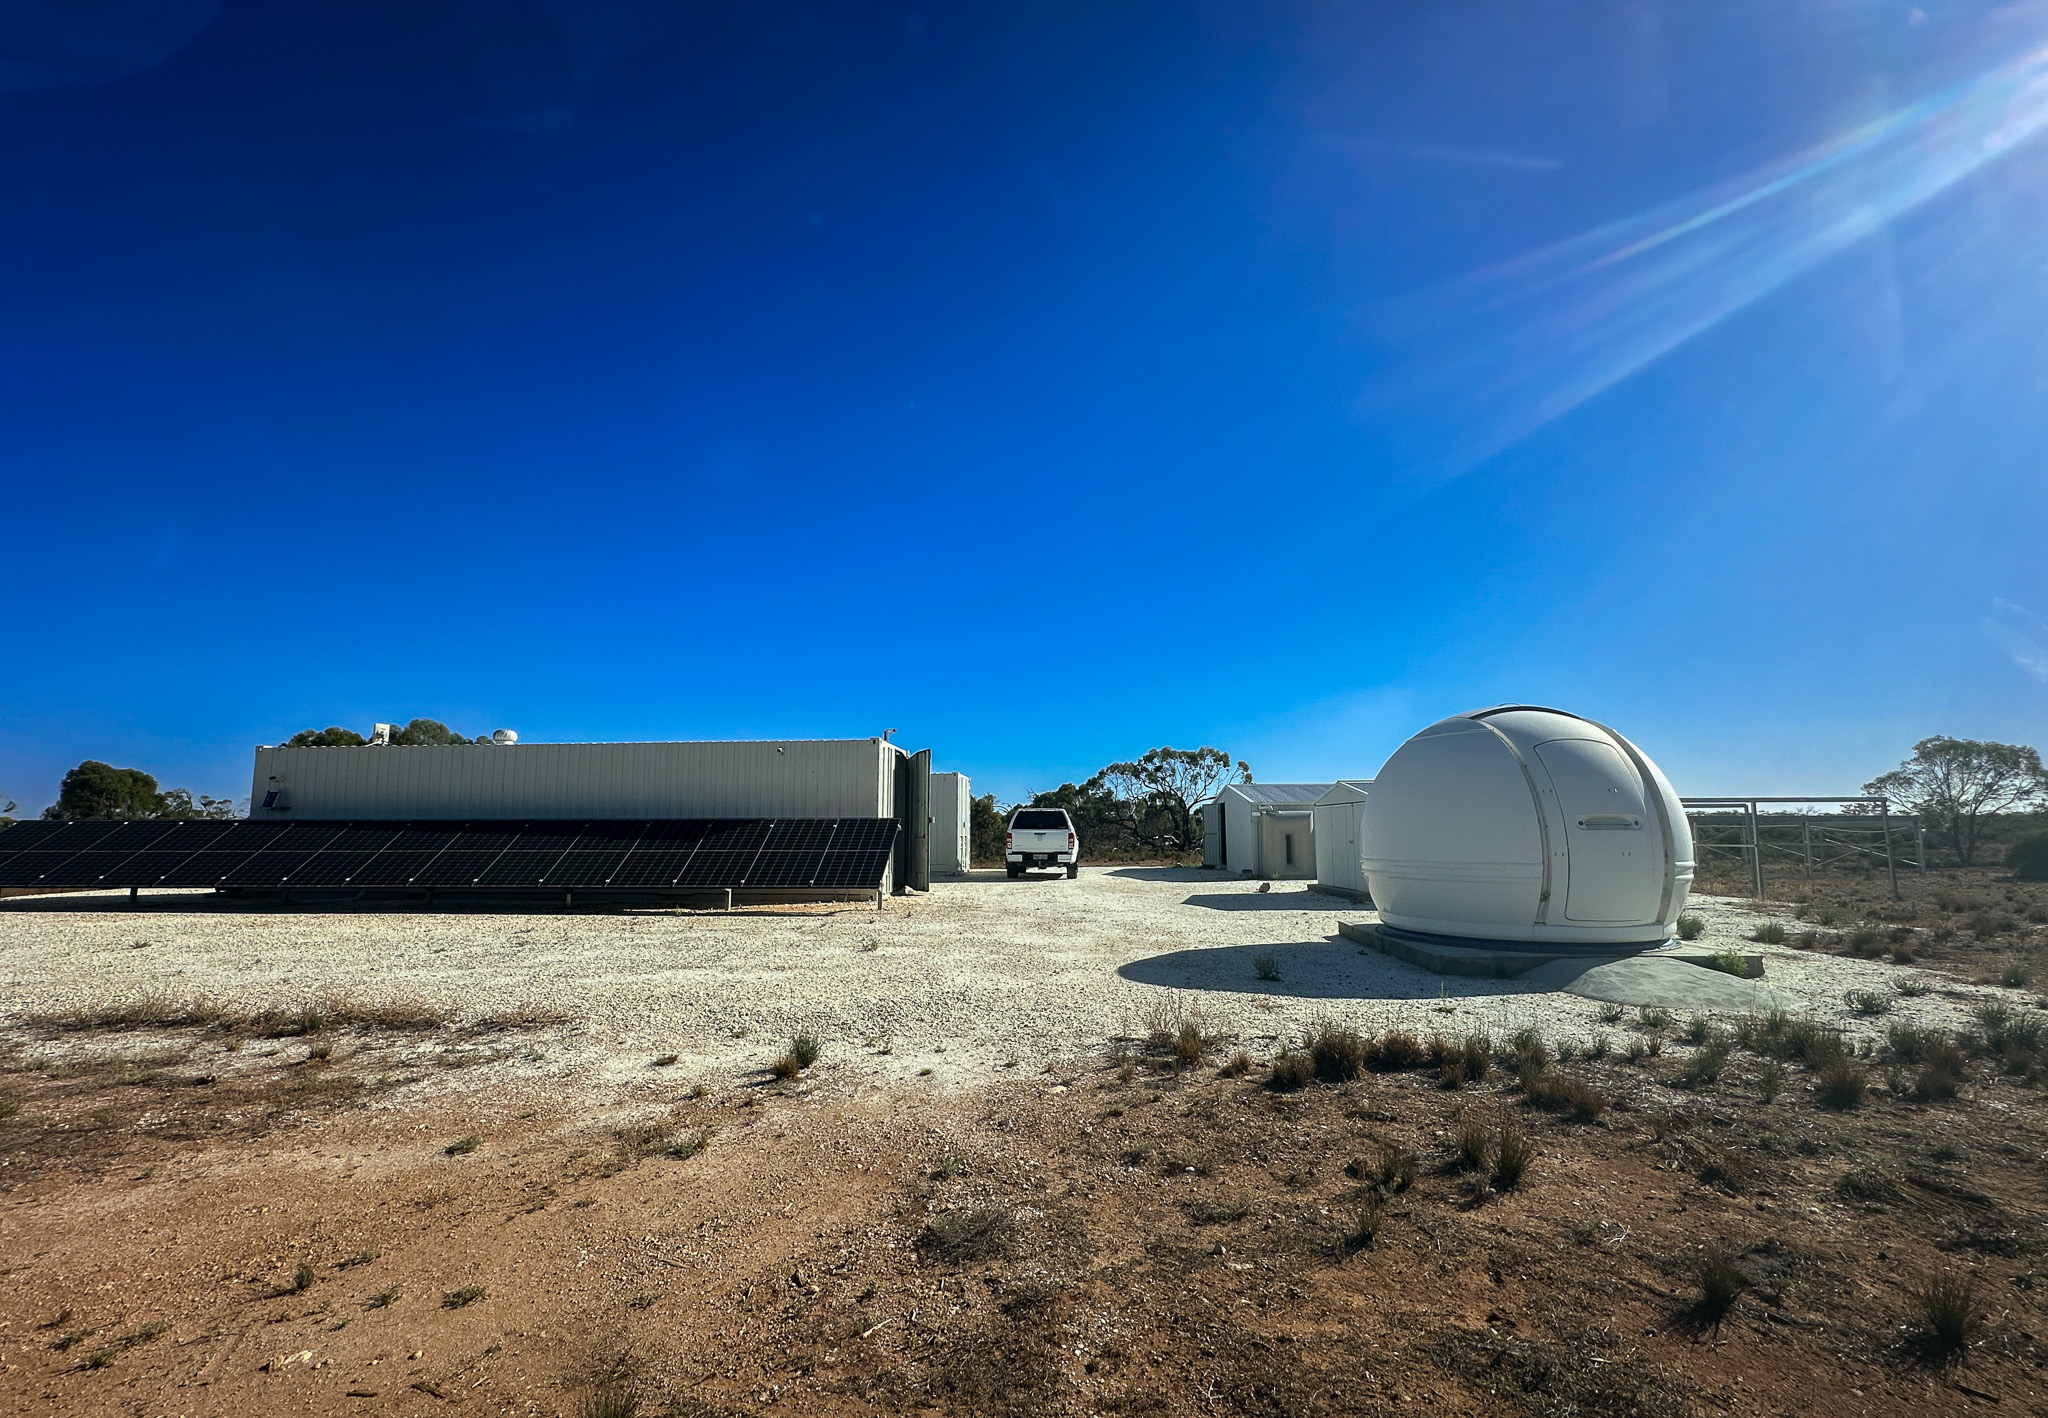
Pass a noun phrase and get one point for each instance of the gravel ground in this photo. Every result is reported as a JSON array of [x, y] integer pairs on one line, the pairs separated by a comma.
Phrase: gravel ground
[[982, 976]]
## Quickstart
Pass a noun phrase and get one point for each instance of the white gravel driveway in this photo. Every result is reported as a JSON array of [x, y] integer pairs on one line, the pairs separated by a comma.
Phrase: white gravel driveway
[[982, 976]]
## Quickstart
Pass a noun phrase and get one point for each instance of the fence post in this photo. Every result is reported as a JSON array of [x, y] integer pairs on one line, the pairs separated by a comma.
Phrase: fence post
[[1884, 808], [1756, 853], [1920, 843], [1806, 848]]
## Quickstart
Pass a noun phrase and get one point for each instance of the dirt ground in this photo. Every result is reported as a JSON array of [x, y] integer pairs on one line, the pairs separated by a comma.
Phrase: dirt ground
[[425, 1210]]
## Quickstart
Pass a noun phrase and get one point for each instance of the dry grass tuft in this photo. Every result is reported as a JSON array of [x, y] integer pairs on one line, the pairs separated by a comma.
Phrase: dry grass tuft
[[462, 1146], [1720, 1285], [1949, 1320], [467, 1295]]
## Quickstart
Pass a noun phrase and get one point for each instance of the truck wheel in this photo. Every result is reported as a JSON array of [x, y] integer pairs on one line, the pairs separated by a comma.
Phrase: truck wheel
[[1073, 870], [1016, 872]]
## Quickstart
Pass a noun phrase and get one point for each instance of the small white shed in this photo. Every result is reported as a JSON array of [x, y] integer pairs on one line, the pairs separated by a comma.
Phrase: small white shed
[[952, 822], [1340, 835], [1265, 830]]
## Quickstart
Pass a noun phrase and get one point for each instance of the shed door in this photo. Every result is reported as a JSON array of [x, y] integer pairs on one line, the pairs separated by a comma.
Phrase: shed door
[[1616, 870]]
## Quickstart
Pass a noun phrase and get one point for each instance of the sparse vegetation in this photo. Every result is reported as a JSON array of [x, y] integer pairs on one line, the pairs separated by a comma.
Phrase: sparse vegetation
[[467, 1295], [1511, 1157], [381, 1298], [1336, 1053], [302, 1278], [1868, 1003], [463, 1146], [1720, 1285], [1364, 1228], [1471, 1147], [1266, 967], [976, 1234], [1691, 927], [1841, 1085], [2015, 975], [1768, 933], [1561, 1093], [1730, 962], [609, 1401], [663, 1061], [1237, 1065], [1949, 1318]]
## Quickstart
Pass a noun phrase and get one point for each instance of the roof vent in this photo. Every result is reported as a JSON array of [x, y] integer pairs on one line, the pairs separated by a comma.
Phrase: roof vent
[[503, 737]]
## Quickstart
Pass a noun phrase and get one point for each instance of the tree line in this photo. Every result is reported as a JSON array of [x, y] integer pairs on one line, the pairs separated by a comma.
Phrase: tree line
[[1143, 809]]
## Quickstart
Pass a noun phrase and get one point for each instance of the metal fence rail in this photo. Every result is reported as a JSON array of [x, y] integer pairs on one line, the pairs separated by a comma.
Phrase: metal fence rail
[[1815, 840]]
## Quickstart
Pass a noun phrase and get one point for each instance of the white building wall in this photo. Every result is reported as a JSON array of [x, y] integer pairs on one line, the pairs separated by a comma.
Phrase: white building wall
[[952, 824], [1340, 836], [800, 778]]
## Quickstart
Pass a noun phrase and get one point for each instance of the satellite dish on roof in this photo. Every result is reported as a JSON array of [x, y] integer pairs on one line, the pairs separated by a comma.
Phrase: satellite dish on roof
[[503, 736], [1526, 825]]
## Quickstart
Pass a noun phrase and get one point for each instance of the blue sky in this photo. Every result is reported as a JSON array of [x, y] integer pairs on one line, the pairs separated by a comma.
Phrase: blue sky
[[1046, 384]]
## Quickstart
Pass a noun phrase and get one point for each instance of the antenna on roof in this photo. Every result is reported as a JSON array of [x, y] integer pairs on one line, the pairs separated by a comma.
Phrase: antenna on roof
[[381, 734], [886, 733]]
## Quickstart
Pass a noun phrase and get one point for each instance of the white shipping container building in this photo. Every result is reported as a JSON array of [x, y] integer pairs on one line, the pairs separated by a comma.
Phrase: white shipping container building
[[1262, 829], [1340, 837], [796, 778], [952, 822]]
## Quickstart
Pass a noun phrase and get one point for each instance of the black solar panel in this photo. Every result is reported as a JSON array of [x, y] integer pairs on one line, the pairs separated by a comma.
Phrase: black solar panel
[[686, 854]]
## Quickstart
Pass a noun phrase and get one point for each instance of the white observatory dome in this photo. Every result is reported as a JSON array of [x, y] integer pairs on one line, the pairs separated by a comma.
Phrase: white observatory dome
[[1529, 825]]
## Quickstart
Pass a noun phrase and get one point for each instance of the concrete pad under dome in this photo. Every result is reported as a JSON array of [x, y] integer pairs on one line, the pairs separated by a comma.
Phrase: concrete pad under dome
[[1666, 982]]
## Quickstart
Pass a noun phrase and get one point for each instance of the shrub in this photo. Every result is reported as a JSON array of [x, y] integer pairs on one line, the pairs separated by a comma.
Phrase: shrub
[[1472, 1147], [979, 1233], [1397, 1169], [1559, 1093], [806, 1050], [1364, 1227], [1720, 1285], [1650, 1019], [1949, 1318], [1770, 1079], [1703, 1069], [1698, 1029], [467, 1295], [1730, 962], [1478, 1051], [1866, 943], [1336, 1053], [610, 1401], [1691, 927], [462, 1146], [1841, 1085], [1532, 1053], [1913, 987], [1266, 967], [1452, 1076], [1238, 1065], [1395, 1050], [2015, 975], [1218, 1211], [1188, 1045], [1597, 1047], [2027, 857], [302, 1278], [1769, 933], [1291, 1072], [1511, 1156], [1868, 1003], [1611, 1013]]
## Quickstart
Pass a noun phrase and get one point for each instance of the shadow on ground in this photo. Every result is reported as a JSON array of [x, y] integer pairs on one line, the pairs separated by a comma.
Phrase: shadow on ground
[[1274, 901], [1309, 969]]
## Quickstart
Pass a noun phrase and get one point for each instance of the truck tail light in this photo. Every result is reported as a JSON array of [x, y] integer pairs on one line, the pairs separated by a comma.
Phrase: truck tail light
[[1070, 841], [1009, 839]]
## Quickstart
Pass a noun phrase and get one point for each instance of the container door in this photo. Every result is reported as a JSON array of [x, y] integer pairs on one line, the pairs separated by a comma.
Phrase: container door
[[1616, 870]]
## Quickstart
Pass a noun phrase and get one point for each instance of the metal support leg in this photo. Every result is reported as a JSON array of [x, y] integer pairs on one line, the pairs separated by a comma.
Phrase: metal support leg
[[1920, 843], [134, 895], [1806, 849], [728, 898]]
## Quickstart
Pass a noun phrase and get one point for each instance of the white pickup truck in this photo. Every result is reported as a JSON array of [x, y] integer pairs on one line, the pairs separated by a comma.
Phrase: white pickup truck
[[1042, 837]]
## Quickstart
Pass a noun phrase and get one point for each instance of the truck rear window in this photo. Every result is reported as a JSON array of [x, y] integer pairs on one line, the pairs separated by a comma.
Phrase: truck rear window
[[1041, 819]]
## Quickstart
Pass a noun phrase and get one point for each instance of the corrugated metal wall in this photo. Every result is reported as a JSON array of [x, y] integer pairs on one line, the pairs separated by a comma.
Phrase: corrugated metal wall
[[802, 778], [952, 821]]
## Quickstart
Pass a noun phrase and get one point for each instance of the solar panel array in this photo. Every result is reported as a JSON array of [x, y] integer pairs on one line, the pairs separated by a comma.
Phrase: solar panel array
[[761, 854]]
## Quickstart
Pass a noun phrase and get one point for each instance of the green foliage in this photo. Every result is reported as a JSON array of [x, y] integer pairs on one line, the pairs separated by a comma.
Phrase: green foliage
[[1955, 784], [1720, 1283], [1266, 967], [1949, 1317], [1691, 927], [1769, 933], [95, 790], [432, 732], [987, 822], [333, 736], [2027, 858], [99, 790]]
